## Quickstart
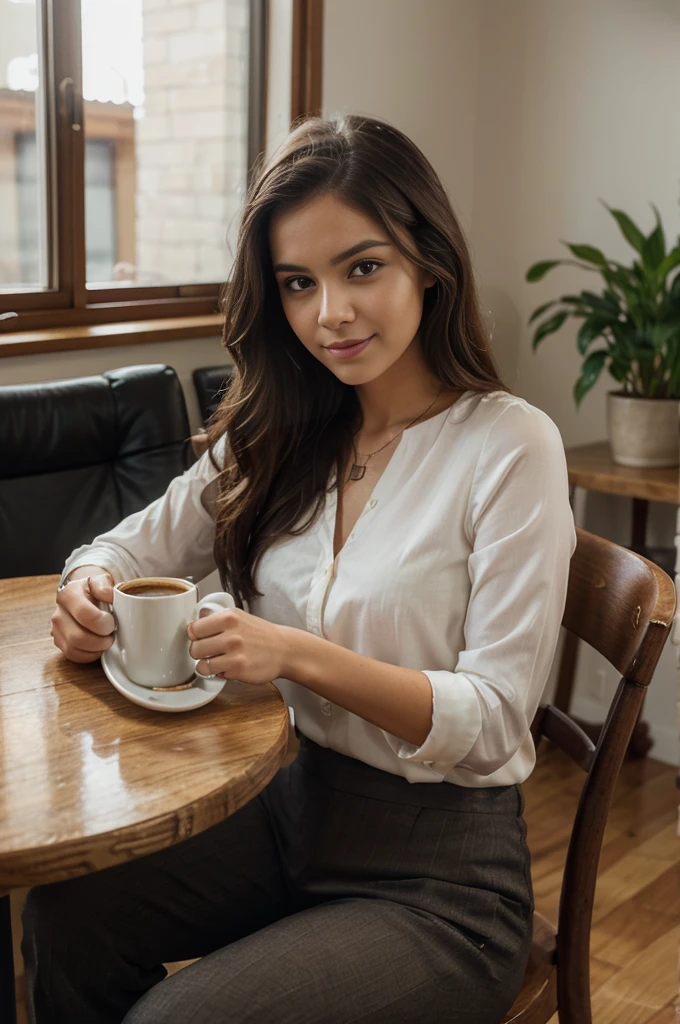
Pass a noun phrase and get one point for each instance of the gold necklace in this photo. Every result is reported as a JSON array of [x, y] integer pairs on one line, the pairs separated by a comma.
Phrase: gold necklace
[[357, 471]]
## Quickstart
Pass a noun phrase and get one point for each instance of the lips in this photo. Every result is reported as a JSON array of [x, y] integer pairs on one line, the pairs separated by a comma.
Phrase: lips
[[350, 342], [347, 349]]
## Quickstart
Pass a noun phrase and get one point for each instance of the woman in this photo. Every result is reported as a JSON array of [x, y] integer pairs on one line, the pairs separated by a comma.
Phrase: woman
[[395, 528]]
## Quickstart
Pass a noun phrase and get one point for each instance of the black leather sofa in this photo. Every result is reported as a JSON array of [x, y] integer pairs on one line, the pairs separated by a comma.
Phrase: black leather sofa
[[77, 456], [210, 383]]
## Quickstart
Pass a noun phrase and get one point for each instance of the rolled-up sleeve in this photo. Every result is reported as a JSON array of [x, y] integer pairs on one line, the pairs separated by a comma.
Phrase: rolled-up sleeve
[[173, 536], [520, 525]]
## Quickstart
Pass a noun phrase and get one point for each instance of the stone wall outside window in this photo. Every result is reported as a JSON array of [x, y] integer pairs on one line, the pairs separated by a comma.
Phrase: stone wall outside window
[[191, 143]]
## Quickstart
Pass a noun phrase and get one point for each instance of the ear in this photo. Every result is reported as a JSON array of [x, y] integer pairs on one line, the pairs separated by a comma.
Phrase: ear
[[428, 280]]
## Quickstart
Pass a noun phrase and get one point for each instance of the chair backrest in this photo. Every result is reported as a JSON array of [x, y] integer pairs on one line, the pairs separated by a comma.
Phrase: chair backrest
[[622, 605], [77, 456], [210, 383]]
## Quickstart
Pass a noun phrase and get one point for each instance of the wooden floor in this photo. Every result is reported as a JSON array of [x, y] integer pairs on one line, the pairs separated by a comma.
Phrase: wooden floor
[[636, 918], [636, 923]]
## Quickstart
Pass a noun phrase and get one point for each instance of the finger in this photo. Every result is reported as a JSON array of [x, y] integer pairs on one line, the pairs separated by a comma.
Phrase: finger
[[69, 636], [82, 657], [101, 587], [79, 640], [228, 668], [211, 625], [211, 647], [81, 606], [72, 652], [218, 666]]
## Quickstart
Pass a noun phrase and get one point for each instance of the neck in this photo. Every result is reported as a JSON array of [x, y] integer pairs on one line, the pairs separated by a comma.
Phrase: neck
[[391, 401]]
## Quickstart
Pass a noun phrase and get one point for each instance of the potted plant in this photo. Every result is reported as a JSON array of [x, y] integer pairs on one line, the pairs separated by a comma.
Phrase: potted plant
[[632, 329]]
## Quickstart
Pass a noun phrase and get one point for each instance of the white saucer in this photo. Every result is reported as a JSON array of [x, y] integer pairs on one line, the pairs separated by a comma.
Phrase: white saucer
[[202, 692]]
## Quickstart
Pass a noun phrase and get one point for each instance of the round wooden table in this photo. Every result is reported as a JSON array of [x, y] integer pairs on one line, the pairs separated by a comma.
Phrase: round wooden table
[[88, 779]]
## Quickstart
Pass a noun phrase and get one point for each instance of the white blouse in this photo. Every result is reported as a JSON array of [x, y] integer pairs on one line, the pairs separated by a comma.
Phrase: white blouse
[[457, 566]]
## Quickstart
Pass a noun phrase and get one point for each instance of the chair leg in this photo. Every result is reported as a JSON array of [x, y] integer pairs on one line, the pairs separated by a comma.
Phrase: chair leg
[[8, 1007]]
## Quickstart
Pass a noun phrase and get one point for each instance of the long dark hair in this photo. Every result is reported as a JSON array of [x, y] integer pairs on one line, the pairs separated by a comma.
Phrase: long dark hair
[[289, 421]]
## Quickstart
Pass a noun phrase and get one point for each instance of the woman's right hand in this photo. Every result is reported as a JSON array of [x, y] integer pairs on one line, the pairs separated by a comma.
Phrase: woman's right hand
[[81, 630]]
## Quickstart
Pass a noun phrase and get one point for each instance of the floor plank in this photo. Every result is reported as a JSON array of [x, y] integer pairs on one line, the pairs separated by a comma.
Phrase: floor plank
[[646, 985], [634, 941], [669, 1015], [626, 932]]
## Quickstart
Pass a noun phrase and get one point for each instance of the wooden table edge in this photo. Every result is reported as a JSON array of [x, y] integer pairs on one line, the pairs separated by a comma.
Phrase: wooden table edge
[[620, 487], [592, 467], [21, 868]]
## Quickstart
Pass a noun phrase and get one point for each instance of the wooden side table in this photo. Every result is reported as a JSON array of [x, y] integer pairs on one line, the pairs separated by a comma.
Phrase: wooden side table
[[591, 467]]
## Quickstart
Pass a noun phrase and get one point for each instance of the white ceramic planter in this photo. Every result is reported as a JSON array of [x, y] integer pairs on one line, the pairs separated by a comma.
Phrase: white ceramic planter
[[644, 431]]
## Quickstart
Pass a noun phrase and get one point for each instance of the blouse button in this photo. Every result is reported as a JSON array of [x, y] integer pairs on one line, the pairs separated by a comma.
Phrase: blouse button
[[326, 708], [373, 502]]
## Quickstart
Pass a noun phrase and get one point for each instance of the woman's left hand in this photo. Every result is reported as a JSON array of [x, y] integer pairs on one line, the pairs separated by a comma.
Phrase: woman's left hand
[[239, 645]]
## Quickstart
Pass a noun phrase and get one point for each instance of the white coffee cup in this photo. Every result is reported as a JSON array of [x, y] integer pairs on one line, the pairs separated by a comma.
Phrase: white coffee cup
[[152, 614]]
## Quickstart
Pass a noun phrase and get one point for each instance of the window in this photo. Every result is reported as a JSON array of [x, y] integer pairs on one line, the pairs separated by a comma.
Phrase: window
[[127, 131], [23, 245]]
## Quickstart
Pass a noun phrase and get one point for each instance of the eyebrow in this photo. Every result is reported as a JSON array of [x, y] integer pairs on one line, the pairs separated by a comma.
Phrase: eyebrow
[[369, 243]]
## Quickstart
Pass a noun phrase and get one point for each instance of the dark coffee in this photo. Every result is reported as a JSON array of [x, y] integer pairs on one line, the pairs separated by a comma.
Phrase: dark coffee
[[151, 588]]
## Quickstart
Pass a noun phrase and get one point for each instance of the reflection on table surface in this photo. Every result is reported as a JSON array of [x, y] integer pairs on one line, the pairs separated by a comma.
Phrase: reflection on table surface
[[87, 778]]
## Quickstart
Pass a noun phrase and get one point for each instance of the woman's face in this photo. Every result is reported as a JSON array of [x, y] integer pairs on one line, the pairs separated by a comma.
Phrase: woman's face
[[342, 279]]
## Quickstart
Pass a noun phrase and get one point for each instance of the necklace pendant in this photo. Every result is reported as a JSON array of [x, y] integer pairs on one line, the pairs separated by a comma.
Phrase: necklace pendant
[[356, 472]]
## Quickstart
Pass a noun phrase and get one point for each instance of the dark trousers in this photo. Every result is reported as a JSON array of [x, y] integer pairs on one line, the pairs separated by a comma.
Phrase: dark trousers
[[341, 894]]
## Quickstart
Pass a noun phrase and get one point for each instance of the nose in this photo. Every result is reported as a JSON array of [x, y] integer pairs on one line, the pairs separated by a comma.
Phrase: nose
[[336, 308]]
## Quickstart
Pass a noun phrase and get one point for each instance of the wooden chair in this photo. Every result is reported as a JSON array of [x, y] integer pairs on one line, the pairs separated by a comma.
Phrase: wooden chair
[[622, 605]]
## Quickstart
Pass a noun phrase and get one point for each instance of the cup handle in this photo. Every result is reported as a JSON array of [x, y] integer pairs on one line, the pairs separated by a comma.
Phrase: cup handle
[[214, 603]]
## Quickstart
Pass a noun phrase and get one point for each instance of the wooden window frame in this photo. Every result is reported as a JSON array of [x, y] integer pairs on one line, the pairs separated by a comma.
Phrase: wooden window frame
[[67, 302], [50, 322], [307, 59]]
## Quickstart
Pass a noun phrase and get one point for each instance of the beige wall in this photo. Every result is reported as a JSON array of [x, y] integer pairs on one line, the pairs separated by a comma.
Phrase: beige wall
[[530, 111], [413, 62]]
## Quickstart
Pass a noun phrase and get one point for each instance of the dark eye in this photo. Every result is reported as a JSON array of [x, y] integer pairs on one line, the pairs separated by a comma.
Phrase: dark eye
[[288, 284], [369, 263]]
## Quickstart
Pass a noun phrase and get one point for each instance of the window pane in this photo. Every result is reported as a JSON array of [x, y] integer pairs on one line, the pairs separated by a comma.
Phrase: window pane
[[165, 90], [23, 248]]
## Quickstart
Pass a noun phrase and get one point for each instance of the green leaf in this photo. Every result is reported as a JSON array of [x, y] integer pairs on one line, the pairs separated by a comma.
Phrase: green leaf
[[590, 371], [659, 227], [613, 297], [619, 369], [588, 253], [549, 327], [654, 249], [624, 349], [669, 263], [589, 330], [541, 309], [661, 334], [629, 230], [622, 280], [539, 270], [600, 303], [675, 288]]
